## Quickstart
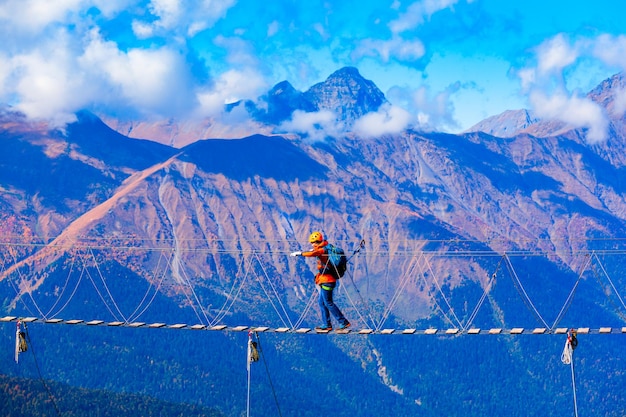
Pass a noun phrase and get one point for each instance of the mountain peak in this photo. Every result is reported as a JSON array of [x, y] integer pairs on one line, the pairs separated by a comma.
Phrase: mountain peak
[[506, 124], [346, 93]]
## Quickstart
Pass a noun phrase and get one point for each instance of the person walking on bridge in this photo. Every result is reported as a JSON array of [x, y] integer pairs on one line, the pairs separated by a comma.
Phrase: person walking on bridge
[[326, 281]]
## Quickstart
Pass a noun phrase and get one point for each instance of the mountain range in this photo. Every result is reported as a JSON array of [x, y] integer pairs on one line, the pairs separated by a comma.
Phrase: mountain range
[[181, 225]]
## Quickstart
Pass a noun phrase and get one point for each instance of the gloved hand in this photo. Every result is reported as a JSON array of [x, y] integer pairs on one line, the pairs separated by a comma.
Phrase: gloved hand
[[297, 253]]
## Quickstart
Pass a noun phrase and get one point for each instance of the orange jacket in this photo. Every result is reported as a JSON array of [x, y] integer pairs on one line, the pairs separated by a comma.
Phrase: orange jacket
[[322, 261]]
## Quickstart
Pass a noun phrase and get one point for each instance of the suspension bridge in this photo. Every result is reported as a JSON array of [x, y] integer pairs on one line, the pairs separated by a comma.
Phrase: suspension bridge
[[423, 278], [381, 285]]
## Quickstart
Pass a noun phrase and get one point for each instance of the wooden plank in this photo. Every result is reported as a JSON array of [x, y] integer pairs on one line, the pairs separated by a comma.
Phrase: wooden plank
[[282, 330], [115, 323], [156, 325], [54, 321], [473, 331], [177, 326], [409, 331], [239, 328], [539, 330], [495, 331], [74, 321], [430, 331], [8, 319], [197, 327], [517, 330], [94, 322]]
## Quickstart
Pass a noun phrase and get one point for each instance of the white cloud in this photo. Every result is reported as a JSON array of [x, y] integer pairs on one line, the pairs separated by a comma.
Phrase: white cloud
[[315, 125], [184, 18], [545, 84], [556, 54], [417, 13], [168, 12], [433, 111], [150, 80], [397, 48], [109, 8], [620, 103], [611, 50], [5, 72], [388, 119], [229, 87], [578, 112], [33, 15], [45, 83], [273, 28]]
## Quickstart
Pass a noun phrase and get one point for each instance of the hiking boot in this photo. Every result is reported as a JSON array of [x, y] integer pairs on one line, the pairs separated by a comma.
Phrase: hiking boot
[[324, 328], [345, 326]]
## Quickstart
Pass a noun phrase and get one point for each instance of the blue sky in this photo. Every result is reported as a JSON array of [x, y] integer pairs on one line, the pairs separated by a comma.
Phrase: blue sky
[[443, 64]]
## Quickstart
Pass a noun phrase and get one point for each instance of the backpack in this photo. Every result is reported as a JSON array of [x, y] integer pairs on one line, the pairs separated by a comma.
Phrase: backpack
[[337, 260]]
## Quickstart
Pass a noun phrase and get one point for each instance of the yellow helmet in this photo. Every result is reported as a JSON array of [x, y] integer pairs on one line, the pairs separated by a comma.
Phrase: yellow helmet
[[316, 237]]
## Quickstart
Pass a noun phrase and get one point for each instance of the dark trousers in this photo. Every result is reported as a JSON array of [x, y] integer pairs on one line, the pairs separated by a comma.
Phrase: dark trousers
[[328, 307]]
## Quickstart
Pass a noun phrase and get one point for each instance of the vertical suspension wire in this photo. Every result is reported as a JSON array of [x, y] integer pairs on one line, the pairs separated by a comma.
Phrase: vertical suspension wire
[[486, 291], [358, 312], [17, 289], [306, 309], [137, 313], [520, 288], [570, 297], [106, 287], [458, 322], [434, 299], [180, 266], [58, 300], [228, 303], [406, 277], [617, 294], [269, 298]]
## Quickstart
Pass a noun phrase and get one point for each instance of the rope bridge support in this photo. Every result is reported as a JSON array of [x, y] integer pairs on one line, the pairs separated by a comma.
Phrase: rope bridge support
[[307, 330]]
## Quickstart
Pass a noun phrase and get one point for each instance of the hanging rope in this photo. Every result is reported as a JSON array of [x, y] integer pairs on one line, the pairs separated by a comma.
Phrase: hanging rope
[[567, 357], [24, 342], [267, 371]]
